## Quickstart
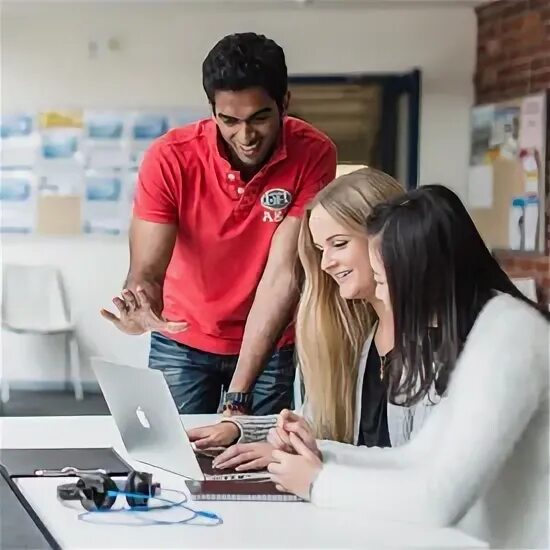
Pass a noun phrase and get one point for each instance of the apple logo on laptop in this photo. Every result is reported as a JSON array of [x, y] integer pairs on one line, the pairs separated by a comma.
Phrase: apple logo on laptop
[[142, 417]]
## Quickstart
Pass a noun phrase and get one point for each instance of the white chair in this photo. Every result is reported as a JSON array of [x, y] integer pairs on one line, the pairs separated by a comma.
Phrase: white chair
[[34, 302]]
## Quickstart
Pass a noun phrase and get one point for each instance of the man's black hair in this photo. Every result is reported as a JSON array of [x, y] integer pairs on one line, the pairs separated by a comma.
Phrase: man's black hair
[[245, 60]]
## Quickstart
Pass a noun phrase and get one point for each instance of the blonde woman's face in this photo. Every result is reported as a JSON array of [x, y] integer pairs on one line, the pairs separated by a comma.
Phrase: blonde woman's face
[[345, 255], [379, 271]]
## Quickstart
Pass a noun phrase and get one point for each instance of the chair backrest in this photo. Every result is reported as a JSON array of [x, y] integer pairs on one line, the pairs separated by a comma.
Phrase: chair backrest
[[33, 297], [527, 286]]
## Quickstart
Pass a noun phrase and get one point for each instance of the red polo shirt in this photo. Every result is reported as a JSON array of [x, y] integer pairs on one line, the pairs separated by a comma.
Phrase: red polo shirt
[[225, 225]]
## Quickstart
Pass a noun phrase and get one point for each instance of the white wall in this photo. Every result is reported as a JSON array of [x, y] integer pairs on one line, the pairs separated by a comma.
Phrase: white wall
[[45, 63]]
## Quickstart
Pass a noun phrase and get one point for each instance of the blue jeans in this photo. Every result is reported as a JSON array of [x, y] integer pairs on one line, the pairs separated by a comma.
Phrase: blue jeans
[[196, 378]]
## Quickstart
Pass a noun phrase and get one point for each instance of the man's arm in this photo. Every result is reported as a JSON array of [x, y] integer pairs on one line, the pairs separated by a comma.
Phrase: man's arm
[[152, 238], [277, 293], [151, 247], [140, 307], [275, 299]]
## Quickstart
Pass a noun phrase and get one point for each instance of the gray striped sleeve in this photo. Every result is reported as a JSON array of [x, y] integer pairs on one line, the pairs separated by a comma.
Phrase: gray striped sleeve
[[253, 428]]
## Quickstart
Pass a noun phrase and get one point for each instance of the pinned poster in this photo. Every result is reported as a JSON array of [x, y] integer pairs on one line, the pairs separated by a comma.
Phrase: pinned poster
[[480, 186], [105, 141], [523, 221], [105, 205], [532, 127], [145, 127], [19, 141], [64, 118], [530, 164], [505, 133], [61, 132], [58, 215], [59, 201], [148, 126], [482, 131], [17, 201], [61, 182]]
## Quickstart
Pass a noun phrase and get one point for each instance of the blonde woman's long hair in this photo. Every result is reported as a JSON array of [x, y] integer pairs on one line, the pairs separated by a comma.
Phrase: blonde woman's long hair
[[331, 331]]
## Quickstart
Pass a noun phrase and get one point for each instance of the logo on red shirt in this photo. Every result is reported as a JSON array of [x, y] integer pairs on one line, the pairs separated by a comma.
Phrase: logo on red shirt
[[275, 202]]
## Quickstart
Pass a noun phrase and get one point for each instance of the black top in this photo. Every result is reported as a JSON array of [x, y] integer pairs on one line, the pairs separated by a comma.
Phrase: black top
[[373, 427]]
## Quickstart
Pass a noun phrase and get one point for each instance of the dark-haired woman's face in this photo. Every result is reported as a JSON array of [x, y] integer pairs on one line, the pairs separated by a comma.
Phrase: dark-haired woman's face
[[382, 293], [249, 122]]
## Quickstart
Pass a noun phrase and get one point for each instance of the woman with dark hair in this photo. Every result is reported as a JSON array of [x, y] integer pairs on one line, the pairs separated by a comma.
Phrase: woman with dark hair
[[467, 339]]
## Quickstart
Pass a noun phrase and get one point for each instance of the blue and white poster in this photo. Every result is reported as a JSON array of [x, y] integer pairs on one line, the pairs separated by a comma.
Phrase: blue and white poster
[[19, 141], [92, 155], [17, 201], [145, 127], [105, 202], [105, 140]]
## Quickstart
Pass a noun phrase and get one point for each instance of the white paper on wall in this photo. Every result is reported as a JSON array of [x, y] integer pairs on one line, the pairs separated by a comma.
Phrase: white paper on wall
[[61, 180], [480, 186], [531, 126]]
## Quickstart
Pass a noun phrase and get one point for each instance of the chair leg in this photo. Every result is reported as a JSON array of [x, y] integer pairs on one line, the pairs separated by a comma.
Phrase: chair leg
[[75, 367]]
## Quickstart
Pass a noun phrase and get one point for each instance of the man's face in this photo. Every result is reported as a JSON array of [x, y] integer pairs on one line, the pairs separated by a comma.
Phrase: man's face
[[249, 122]]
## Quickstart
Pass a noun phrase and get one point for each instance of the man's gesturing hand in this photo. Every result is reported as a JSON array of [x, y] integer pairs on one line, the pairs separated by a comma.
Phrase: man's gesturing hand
[[139, 314]]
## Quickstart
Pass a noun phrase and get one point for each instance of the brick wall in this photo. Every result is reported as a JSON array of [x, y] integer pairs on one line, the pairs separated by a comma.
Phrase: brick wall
[[513, 59]]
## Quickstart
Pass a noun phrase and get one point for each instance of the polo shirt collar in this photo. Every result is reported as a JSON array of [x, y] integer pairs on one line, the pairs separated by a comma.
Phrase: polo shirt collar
[[218, 146]]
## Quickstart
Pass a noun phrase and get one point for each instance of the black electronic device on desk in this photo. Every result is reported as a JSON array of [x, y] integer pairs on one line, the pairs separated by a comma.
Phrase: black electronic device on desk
[[62, 462], [20, 526]]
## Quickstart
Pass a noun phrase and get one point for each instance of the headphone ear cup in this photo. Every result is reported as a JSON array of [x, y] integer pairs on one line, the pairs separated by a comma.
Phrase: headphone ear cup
[[140, 483], [68, 491], [94, 498]]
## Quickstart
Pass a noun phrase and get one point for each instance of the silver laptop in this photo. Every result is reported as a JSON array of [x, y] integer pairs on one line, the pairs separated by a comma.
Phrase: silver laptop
[[150, 426]]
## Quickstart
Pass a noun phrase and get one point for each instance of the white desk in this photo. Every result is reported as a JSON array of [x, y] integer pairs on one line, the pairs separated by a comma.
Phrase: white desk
[[246, 524]]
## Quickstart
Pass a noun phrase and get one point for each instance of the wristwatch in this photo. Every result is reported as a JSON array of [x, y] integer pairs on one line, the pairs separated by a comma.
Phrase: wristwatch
[[238, 402]]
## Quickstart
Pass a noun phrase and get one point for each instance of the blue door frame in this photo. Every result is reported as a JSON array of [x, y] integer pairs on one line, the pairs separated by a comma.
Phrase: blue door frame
[[393, 87]]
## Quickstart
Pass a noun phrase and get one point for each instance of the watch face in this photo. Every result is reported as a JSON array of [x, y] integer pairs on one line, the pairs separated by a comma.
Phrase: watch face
[[238, 397]]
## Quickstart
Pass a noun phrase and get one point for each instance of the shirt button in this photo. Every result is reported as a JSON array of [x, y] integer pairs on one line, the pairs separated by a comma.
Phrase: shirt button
[[240, 190], [231, 177]]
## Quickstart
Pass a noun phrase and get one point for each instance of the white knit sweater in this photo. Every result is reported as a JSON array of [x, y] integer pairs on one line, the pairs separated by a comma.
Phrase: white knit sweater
[[481, 459]]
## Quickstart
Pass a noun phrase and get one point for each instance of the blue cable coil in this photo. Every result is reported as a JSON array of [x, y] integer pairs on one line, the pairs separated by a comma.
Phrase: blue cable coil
[[137, 511]]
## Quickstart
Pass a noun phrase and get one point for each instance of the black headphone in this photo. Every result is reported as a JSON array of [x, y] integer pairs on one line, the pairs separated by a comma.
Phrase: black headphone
[[97, 491]]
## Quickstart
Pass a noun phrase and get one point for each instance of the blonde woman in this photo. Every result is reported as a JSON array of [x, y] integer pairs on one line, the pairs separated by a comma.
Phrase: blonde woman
[[342, 330]]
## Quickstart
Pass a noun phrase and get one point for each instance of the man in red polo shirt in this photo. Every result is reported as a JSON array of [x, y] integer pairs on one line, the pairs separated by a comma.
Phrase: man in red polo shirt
[[214, 235]]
